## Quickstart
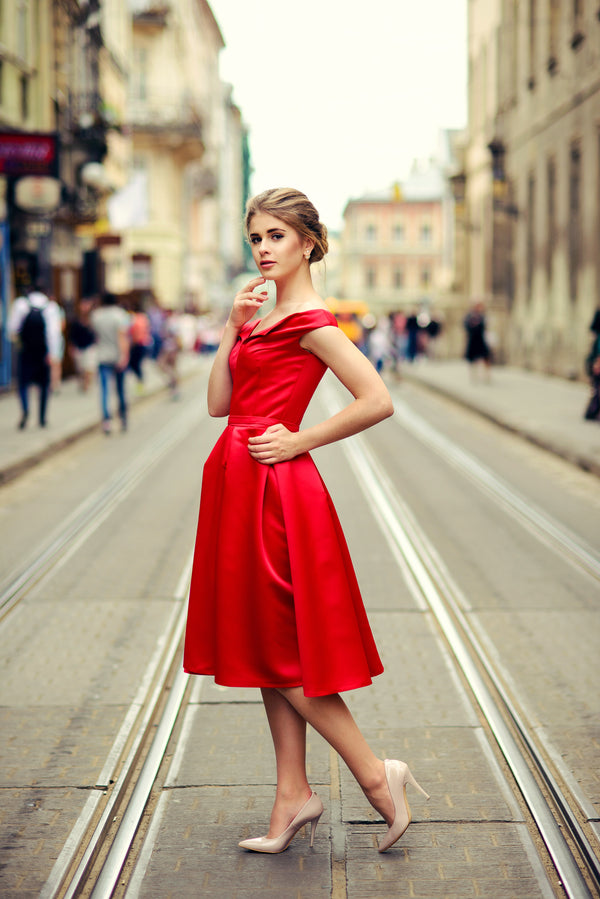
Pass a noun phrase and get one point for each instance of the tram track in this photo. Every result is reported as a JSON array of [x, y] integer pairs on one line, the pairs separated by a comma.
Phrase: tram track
[[95, 509], [136, 755], [434, 585], [98, 848]]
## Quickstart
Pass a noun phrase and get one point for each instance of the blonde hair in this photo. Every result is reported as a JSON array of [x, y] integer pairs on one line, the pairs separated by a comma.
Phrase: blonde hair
[[295, 209]]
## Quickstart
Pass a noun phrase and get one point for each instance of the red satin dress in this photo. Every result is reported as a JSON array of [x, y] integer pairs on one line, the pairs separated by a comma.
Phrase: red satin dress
[[274, 600]]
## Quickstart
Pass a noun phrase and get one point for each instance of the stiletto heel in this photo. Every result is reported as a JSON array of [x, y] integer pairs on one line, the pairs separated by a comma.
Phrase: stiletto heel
[[398, 774], [310, 813], [313, 829]]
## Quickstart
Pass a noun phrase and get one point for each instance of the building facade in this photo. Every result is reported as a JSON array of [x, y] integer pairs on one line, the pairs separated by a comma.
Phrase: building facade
[[393, 244], [532, 169], [187, 154], [123, 159]]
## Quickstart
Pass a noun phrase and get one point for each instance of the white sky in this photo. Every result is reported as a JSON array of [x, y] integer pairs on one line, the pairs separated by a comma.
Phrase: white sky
[[340, 97]]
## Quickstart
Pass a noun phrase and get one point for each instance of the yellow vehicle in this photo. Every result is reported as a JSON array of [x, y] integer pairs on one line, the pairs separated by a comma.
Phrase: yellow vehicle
[[349, 314]]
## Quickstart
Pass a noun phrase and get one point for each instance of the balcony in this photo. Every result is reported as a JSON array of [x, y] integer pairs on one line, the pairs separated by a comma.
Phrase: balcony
[[171, 121]]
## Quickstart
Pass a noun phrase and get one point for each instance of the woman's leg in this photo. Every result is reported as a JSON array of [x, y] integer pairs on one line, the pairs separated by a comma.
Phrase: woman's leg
[[288, 730], [331, 717]]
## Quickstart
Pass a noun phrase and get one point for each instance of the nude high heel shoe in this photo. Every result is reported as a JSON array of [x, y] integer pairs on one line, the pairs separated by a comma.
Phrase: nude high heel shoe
[[398, 775], [310, 813]]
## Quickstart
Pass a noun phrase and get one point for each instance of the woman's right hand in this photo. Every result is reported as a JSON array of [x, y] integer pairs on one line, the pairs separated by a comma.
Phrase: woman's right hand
[[246, 303]]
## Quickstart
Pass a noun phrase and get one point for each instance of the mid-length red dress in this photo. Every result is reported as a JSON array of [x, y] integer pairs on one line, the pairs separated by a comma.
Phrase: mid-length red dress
[[274, 600]]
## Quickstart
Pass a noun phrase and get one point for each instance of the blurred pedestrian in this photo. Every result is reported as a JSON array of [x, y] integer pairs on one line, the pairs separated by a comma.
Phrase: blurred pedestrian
[[397, 339], [140, 341], [412, 330], [477, 351], [110, 324], [156, 317], [274, 601], [379, 344], [592, 365], [35, 322], [434, 329], [82, 341], [170, 346]]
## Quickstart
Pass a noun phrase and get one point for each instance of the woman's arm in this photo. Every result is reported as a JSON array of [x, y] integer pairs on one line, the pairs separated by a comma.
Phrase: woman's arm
[[372, 402], [220, 383]]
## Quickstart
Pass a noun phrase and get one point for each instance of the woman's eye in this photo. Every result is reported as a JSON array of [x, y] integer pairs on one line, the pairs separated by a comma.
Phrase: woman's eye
[[255, 240], [277, 236]]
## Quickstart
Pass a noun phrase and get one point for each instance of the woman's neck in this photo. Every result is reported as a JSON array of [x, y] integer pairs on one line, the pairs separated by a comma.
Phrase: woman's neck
[[295, 291]]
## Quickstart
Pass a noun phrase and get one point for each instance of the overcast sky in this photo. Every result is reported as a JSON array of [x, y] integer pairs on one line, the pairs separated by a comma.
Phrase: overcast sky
[[340, 97]]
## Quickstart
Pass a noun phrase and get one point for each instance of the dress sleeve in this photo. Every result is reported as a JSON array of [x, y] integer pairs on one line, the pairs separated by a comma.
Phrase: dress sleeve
[[320, 319]]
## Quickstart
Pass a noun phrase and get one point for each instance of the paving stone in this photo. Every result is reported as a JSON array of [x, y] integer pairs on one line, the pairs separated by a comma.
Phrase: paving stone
[[581, 757], [34, 823], [449, 861], [194, 857], [418, 687], [231, 744], [56, 653], [54, 746], [452, 764]]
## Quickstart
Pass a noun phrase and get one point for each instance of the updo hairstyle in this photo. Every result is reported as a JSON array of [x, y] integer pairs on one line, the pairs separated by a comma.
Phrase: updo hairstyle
[[295, 209]]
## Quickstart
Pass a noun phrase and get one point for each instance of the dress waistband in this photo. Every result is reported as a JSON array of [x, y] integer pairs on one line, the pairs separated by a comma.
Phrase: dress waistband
[[256, 421]]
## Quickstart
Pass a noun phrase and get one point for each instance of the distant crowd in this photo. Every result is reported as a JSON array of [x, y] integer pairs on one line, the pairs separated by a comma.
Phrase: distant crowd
[[106, 337]]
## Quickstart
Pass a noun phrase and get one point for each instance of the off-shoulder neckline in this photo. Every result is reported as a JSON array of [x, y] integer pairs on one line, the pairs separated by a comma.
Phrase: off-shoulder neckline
[[254, 333]]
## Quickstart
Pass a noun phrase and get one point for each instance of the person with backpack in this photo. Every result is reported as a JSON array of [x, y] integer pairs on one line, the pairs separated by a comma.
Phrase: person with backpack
[[34, 322]]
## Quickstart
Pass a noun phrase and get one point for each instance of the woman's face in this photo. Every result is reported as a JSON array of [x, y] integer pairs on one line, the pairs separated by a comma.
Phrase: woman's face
[[277, 248]]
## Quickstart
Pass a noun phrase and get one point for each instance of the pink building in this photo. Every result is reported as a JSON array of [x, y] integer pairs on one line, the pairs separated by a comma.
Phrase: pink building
[[394, 244]]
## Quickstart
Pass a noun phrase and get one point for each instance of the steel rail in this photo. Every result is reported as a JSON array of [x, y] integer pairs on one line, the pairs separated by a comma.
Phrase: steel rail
[[537, 521], [405, 535], [381, 495], [120, 846], [90, 513], [140, 721]]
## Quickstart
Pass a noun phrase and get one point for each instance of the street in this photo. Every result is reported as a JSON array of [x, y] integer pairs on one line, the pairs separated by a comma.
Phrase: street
[[440, 508]]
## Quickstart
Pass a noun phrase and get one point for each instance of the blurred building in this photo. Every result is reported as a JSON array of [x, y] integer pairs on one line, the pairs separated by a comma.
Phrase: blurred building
[[123, 160], [397, 246], [392, 243], [188, 156], [530, 183]]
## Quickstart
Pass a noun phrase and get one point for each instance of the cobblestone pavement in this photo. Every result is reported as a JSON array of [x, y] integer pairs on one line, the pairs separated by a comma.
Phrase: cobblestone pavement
[[73, 656]]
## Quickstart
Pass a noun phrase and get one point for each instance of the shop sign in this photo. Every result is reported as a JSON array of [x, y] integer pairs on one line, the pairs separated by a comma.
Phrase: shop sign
[[28, 154], [37, 194]]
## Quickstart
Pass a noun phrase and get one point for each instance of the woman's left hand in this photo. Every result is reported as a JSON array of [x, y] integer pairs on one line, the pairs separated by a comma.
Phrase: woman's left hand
[[277, 444]]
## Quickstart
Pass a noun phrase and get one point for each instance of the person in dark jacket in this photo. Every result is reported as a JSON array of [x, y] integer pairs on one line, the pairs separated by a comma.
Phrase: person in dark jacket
[[477, 349], [35, 322], [592, 412]]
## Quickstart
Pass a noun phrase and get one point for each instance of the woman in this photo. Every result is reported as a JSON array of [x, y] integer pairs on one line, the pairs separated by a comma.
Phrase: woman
[[274, 601]]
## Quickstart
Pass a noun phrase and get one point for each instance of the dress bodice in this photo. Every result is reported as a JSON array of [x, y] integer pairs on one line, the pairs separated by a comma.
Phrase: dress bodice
[[274, 377]]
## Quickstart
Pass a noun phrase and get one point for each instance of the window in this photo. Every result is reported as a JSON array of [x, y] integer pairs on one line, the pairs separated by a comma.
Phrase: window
[[371, 233], [399, 233], [530, 244], [398, 278], [370, 277], [532, 43], [22, 18], [425, 276], [551, 216], [139, 74], [24, 97], [426, 233], [578, 13], [574, 218], [553, 33]]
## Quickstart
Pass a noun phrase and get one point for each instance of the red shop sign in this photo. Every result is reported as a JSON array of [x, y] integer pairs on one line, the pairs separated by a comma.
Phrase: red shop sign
[[28, 154]]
